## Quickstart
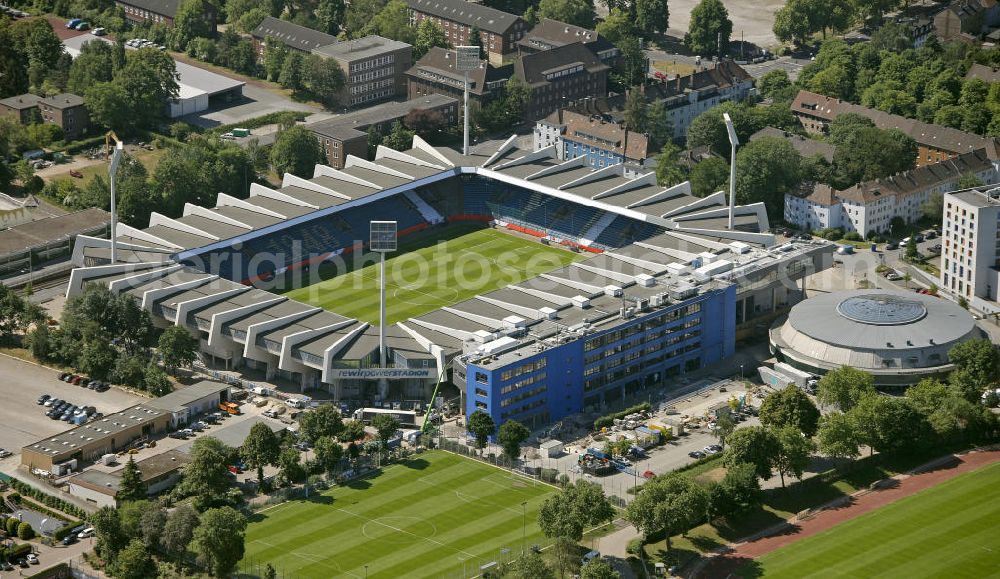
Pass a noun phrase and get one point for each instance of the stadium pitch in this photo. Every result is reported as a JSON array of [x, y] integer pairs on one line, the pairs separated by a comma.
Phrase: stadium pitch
[[423, 277], [437, 515], [949, 530]]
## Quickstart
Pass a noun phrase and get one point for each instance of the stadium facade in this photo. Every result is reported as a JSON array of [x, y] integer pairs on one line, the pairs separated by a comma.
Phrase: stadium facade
[[668, 287]]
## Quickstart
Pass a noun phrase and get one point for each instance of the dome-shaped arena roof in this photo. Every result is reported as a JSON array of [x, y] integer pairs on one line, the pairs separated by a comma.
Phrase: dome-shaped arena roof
[[898, 336]]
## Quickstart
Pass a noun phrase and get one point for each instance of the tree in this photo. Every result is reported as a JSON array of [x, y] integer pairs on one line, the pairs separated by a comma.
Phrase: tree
[[424, 121], [275, 53], [148, 80], [928, 394], [189, 23], [634, 62], [476, 39], [290, 76], [754, 445], [207, 476], [837, 436], [635, 110], [261, 447], [131, 487], [391, 19], [155, 381], [482, 427], [661, 129], [888, 425], [709, 176], [867, 153], [668, 171], [385, 427], [977, 365], [598, 569], [843, 387], [179, 529], [512, 435], [353, 430], [328, 452], [324, 78], [134, 562], [652, 16], [709, 30], [324, 420], [218, 540], [290, 465], [617, 26], [767, 169], [776, 85], [108, 529], [399, 138], [429, 35], [296, 151], [97, 358], [911, 252], [724, 426], [669, 504], [177, 347], [25, 531], [93, 65], [577, 507], [17, 315], [791, 22], [329, 15], [738, 491], [529, 566], [790, 407], [794, 449], [933, 208], [573, 12], [151, 525]]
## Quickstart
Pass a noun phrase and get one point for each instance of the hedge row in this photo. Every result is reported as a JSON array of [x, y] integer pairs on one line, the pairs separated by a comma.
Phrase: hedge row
[[64, 530], [608, 420], [275, 118], [13, 553], [48, 500]]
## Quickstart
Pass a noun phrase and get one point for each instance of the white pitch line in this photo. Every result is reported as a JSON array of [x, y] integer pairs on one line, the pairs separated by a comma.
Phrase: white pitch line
[[398, 530]]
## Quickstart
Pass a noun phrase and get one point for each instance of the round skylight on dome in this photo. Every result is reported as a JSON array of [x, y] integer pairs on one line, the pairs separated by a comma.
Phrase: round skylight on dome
[[882, 310]]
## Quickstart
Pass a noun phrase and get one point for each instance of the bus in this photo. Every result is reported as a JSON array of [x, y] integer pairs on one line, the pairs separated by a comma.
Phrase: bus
[[405, 417]]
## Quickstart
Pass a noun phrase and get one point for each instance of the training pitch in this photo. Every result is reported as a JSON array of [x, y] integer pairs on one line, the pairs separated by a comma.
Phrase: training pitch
[[424, 277], [950, 530], [430, 517]]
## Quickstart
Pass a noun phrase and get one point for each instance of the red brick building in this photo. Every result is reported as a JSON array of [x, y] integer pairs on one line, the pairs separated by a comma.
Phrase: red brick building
[[498, 30]]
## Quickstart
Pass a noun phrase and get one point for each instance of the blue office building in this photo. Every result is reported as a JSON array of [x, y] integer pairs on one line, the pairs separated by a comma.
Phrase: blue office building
[[604, 362]]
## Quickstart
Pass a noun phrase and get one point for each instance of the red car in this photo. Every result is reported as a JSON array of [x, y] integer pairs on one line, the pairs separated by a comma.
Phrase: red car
[[648, 474], [235, 469], [75, 173]]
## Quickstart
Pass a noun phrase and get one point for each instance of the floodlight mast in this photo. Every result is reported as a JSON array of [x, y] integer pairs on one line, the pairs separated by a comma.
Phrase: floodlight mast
[[382, 241], [734, 141], [466, 59], [116, 159]]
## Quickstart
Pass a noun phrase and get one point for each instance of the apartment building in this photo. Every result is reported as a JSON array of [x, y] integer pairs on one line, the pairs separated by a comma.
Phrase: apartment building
[[970, 246], [295, 37], [374, 68], [549, 34], [934, 142], [871, 206], [22, 108], [559, 77], [161, 12], [499, 31], [68, 111], [435, 73], [601, 141]]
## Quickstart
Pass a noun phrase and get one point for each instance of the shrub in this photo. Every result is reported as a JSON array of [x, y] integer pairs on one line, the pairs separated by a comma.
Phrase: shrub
[[608, 420], [549, 475], [25, 532], [11, 526], [852, 236], [634, 546], [14, 497]]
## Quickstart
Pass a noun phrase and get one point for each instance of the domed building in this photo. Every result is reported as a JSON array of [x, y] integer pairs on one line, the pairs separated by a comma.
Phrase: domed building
[[899, 337]]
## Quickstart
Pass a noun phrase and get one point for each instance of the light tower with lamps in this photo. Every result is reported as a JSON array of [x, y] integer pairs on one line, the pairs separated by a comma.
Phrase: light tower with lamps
[[734, 141], [466, 59], [116, 159], [382, 241]]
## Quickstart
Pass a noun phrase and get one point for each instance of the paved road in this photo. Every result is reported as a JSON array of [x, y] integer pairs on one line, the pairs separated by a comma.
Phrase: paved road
[[793, 66]]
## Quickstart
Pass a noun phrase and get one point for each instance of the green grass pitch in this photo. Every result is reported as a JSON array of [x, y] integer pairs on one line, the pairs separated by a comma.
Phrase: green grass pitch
[[418, 519], [950, 530], [431, 277]]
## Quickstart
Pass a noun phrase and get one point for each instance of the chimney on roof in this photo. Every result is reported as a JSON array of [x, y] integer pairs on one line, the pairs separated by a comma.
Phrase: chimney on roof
[[560, 115], [625, 145], [678, 82]]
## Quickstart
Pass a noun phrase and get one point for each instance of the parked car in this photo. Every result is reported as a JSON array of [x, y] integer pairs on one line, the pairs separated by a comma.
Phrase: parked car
[[99, 31], [648, 474], [32, 558], [43, 398], [234, 469], [75, 173], [69, 539], [178, 435], [918, 237], [83, 26], [23, 563], [696, 454], [72, 23], [931, 234], [64, 375], [892, 245], [4, 453], [104, 387], [88, 532], [198, 426]]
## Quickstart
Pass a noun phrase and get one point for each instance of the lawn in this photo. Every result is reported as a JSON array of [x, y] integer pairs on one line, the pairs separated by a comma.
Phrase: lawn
[[946, 531], [150, 159], [425, 276], [428, 517]]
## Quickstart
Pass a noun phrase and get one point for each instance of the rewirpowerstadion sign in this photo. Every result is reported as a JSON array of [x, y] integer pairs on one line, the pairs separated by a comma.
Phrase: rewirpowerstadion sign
[[381, 373]]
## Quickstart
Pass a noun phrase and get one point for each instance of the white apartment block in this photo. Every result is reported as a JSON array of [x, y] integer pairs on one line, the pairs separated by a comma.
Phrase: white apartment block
[[970, 246], [871, 206]]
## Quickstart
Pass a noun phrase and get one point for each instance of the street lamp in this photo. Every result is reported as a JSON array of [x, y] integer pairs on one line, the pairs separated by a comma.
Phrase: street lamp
[[366, 571], [116, 159]]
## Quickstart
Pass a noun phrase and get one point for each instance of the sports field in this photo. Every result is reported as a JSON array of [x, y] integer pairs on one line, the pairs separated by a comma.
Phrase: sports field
[[950, 530], [426, 277], [420, 519]]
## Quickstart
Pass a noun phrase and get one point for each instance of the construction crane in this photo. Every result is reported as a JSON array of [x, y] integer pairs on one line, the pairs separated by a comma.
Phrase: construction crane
[[107, 143]]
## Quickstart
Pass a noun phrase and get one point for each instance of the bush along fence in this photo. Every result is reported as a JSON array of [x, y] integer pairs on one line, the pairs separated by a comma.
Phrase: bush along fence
[[48, 500], [608, 420]]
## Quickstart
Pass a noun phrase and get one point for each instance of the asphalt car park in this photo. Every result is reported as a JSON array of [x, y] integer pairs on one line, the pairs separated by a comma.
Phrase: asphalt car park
[[23, 420]]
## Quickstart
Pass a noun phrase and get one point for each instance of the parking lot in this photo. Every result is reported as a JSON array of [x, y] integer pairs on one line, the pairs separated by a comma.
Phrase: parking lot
[[23, 421]]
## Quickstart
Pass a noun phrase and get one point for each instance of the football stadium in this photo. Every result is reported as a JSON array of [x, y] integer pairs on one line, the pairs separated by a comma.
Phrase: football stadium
[[531, 287]]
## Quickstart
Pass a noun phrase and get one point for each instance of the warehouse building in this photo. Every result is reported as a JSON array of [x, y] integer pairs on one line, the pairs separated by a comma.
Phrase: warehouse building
[[159, 473]]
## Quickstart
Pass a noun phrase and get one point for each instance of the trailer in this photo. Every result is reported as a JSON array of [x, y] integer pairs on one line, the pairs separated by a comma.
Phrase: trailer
[[405, 417]]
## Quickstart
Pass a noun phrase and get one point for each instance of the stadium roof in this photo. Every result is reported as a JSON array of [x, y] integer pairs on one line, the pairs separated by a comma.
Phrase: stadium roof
[[691, 245]]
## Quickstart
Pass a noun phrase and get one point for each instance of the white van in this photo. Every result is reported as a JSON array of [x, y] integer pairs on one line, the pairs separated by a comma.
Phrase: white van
[[295, 403], [88, 532]]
